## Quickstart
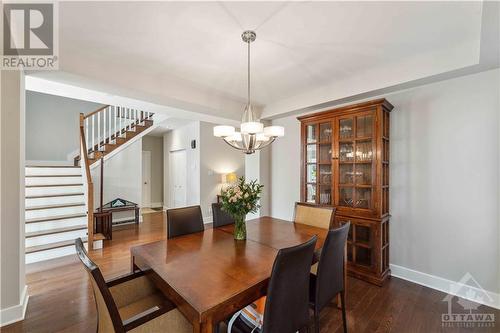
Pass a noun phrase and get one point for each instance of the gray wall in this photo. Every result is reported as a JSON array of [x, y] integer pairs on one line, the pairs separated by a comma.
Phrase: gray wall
[[216, 158], [12, 119], [444, 177], [52, 124], [154, 144]]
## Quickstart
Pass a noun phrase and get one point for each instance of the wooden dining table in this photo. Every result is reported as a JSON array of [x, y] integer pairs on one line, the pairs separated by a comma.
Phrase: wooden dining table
[[209, 276]]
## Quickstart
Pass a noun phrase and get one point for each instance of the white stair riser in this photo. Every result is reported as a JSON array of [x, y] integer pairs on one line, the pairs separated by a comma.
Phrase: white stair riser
[[53, 180], [52, 171], [53, 190], [50, 254], [49, 225], [42, 213], [59, 237], [54, 200]]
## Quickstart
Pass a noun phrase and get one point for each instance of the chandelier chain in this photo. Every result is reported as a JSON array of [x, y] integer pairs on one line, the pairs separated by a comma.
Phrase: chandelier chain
[[248, 82]]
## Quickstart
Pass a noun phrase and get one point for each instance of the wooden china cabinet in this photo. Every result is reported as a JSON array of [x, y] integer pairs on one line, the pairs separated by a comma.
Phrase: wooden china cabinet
[[345, 163]]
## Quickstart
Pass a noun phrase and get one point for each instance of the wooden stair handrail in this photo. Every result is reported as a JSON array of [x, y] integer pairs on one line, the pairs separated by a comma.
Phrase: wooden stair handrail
[[96, 111], [90, 186]]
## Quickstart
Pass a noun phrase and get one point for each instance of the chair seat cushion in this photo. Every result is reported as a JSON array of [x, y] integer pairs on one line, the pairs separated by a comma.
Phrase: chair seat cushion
[[172, 321], [141, 305]]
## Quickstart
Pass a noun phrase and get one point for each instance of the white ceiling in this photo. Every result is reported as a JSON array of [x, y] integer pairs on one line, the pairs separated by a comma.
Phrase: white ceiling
[[190, 54]]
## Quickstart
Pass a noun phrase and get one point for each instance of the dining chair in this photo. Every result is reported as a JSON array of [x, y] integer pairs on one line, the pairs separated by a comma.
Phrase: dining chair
[[183, 221], [329, 279], [130, 303], [314, 215], [220, 217], [287, 302]]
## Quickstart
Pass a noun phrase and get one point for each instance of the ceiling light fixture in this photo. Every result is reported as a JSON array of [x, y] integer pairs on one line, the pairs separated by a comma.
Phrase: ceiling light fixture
[[252, 135]]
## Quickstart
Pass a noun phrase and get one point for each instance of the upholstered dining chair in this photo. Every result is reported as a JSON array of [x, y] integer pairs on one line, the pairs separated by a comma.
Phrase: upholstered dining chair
[[329, 279], [183, 221], [287, 302], [130, 303], [314, 215], [220, 217]]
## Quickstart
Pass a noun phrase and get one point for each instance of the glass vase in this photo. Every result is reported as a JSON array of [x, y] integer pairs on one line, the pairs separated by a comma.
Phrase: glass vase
[[240, 228]]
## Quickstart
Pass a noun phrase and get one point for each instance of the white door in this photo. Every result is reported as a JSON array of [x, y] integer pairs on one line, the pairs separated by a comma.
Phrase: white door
[[146, 179], [178, 178]]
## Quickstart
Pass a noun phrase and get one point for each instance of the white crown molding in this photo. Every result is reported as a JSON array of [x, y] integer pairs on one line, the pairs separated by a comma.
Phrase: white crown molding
[[442, 284], [15, 313]]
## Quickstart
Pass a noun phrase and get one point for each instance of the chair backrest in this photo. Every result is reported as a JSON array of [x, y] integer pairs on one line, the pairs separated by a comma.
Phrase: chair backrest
[[183, 221], [220, 217], [108, 319], [287, 302], [313, 215], [330, 274]]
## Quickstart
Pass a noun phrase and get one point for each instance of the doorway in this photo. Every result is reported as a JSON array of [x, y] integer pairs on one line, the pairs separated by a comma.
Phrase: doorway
[[178, 179], [146, 178]]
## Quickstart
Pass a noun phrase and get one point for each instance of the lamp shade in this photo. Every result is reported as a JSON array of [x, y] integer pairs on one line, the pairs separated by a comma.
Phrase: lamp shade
[[223, 131], [274, 131], [236, 136], [252, 127], [231, 177], [262, 137]]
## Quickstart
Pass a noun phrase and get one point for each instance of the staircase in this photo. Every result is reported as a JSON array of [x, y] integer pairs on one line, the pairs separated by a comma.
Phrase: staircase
[[56, 211], [110, 127], [59, 199]]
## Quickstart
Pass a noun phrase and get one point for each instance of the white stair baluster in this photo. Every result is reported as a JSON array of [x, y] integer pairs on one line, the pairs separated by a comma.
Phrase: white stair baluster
[[122, 113], [104, 127], [86, 124], [109, 124], [98, 131], [93, 131], [114, 114]]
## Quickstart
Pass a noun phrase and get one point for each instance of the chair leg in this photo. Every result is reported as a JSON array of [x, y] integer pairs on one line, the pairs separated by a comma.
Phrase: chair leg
[[316, 321], [344, 320]]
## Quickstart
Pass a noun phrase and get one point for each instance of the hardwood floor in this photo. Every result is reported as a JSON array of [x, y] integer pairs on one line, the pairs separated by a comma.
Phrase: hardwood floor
[[61, 298]]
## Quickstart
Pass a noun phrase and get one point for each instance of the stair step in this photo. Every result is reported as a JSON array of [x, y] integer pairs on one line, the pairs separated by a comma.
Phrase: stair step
[[53, 195], [51, 166], [120, 141], [52, 171], [109, 147], [55, 176], [52, 185], [54, 231], [50, 246], [54, 218], [130, 134], [55, 206]]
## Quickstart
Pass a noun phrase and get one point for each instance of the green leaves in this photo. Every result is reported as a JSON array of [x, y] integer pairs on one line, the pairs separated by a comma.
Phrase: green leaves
[[241, 198]]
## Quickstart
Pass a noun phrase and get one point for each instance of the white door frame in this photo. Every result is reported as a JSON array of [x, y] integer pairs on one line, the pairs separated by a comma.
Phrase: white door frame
[[171, 181], [146, 197]]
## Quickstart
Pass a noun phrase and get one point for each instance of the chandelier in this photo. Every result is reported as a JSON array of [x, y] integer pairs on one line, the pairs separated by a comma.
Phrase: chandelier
[[252, 135]]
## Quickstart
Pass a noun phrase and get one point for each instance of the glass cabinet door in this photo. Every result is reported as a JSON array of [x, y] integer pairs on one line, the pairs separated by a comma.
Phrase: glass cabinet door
[[318, 163], [355, 161]]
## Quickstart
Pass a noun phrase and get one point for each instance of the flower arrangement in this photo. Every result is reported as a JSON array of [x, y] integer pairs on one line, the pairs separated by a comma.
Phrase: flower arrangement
[[240, 199]]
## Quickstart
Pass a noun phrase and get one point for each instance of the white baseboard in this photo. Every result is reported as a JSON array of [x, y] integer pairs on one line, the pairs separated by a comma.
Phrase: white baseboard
[[15, 313], [156, 205], [491, 298], [208, 219]]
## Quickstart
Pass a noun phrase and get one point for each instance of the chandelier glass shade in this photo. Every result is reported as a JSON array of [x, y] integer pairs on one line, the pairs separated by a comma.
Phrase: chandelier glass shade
[[252, 134]]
